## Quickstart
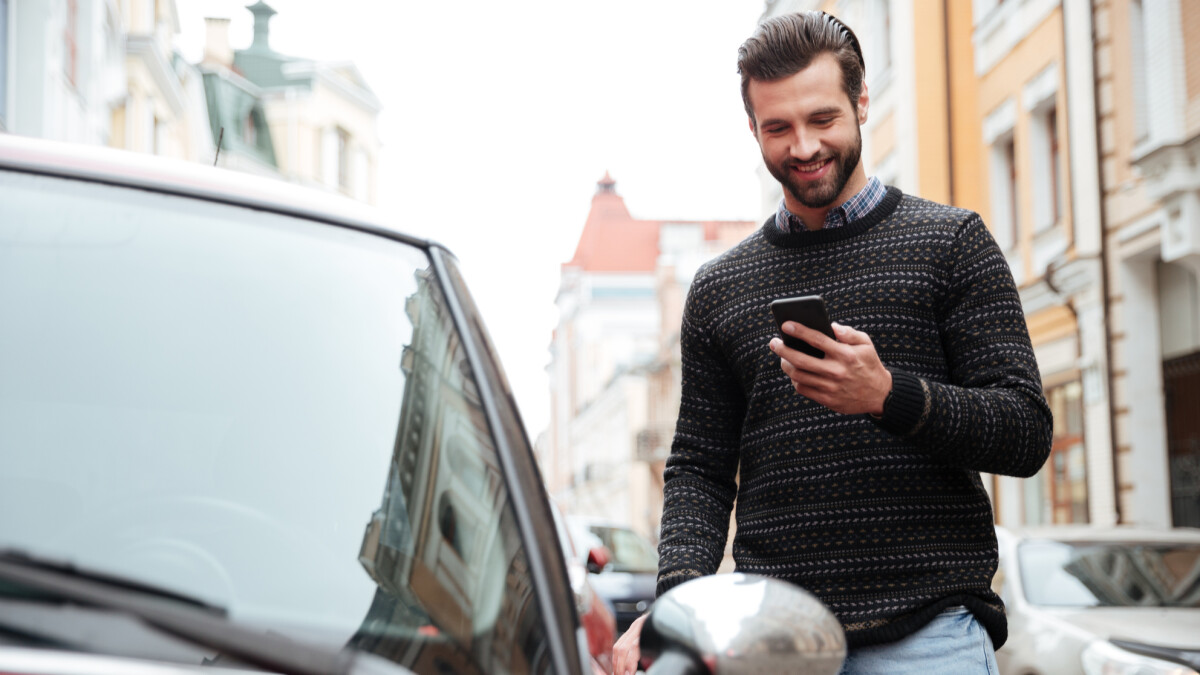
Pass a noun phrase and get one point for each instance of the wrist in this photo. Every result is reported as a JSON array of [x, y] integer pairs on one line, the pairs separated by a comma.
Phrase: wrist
[[882, 408]]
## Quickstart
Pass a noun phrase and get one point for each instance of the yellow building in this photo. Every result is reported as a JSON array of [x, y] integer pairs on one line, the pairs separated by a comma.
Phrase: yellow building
[[988, 105]]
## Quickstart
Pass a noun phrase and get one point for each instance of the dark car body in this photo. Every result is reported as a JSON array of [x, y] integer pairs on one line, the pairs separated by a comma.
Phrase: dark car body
[[249, 426]]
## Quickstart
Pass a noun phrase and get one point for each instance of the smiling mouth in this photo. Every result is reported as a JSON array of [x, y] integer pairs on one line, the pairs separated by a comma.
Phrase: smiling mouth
[[811, 167]]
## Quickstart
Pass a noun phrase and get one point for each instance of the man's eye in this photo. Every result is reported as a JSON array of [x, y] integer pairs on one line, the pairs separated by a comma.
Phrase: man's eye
[[776, 130], [823, 122]]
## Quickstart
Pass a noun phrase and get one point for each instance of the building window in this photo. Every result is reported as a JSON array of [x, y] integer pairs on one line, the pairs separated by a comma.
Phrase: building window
[[1068, 460], [1047, 167], [249, 129], [879, 51], [1036, 499], [1005, 193], [343, 159], [71, 43], [1137, 49]]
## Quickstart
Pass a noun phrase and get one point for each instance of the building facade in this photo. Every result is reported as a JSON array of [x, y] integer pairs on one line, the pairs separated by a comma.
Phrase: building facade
[[108, 72], [102, 72], [1148, 85], [614, 369], [312, 122], [989, 105]]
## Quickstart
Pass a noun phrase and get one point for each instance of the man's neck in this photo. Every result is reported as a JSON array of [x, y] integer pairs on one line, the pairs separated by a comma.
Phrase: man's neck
[[814, 218]]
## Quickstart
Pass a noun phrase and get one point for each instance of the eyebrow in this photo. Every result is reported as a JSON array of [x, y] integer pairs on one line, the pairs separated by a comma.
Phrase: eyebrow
[[831, 110]]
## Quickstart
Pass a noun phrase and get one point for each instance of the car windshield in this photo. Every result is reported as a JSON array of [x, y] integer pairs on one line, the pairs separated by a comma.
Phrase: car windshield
[[1141, 574], [270, 414]]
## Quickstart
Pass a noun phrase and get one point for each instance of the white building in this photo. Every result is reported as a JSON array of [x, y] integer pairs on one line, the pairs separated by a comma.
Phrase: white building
[[614, 358], [71, 74], [101, 72]]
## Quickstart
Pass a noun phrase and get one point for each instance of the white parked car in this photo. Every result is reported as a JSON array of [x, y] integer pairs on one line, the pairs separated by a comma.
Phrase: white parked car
[[246, 426], [1093, 601]]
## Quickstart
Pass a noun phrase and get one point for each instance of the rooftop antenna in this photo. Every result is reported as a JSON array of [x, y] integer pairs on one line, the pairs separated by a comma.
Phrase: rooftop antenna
[[219, 137]]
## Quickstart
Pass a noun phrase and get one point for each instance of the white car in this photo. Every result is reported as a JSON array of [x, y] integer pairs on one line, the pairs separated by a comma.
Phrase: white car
[[1100, 601], [247, 426]]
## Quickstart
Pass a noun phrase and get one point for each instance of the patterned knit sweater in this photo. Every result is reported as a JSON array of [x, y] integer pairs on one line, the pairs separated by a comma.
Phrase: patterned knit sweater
[[885, 520]]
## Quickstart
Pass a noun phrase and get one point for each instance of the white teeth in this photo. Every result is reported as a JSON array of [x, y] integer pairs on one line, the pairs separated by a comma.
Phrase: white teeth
[[808, 168]]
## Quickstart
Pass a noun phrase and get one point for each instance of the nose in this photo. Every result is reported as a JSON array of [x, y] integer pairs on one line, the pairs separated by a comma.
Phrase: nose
[[805, 145]]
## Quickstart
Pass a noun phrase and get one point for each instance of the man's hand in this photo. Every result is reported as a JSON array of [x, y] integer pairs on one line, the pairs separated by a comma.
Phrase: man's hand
[[850, 379], [626, 652]]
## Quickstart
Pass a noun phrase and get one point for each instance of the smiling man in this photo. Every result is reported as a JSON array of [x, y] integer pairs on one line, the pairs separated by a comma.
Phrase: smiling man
[[859, 471]]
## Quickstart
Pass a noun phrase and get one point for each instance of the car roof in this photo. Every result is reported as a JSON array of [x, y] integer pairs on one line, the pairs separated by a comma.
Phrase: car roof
[[192, 179], [1117, 533]]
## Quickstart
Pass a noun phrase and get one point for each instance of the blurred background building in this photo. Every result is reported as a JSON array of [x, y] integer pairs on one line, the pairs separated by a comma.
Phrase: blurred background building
[[108, 72], [614, 368], [1071, 126]]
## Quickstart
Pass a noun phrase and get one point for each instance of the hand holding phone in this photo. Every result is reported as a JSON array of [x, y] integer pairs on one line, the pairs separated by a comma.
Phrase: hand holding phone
[[808, 310]]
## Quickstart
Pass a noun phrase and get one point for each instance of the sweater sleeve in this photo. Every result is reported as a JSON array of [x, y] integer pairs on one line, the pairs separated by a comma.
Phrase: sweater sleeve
[[992, 416], [700, 480]]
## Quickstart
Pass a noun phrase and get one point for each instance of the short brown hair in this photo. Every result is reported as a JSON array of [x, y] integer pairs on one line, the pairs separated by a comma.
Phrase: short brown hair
[[784, 45]]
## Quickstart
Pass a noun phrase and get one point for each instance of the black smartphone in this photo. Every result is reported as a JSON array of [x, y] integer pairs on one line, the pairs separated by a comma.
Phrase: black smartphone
[[808, 310]]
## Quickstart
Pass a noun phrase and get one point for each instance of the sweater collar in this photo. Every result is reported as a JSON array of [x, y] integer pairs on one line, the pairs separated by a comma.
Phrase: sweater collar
[[794, 239]]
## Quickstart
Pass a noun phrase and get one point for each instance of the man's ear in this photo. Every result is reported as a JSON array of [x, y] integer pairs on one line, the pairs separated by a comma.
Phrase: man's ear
[[864, 102]]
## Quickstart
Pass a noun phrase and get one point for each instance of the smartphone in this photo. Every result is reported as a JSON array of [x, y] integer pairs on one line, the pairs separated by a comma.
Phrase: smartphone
[[808, 310]]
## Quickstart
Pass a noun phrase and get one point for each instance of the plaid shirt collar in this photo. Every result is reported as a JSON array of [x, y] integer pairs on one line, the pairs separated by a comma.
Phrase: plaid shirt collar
[[849, 211]]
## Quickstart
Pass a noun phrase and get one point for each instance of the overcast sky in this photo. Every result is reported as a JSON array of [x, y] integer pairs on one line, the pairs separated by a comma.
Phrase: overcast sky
[[499, 117]]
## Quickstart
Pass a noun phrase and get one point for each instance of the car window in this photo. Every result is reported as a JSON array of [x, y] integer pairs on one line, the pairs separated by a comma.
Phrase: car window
[[273, 415], [630, 551], [1157, 574]]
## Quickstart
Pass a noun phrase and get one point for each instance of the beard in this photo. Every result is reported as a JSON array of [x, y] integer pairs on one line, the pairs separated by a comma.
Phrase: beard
[[821, 193]]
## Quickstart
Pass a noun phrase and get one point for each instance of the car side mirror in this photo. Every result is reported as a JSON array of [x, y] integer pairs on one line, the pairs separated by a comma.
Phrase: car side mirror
[[598, 558], [730, 624]]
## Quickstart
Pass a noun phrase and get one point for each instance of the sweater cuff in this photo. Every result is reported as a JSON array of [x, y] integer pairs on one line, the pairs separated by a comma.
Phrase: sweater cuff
[[904, 411], [669, 580]]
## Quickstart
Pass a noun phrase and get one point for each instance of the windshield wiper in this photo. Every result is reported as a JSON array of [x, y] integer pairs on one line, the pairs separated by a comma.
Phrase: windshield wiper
[[24, 559], [188, 618]]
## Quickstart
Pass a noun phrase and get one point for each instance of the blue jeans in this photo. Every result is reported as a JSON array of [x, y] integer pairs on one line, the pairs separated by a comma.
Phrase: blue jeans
[[954, 643]]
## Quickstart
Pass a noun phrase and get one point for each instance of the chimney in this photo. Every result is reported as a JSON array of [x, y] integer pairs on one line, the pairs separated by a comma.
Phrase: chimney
[[262, 17], [216, 43]]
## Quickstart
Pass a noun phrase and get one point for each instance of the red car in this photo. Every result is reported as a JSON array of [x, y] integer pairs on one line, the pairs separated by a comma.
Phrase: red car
[[598, 621]]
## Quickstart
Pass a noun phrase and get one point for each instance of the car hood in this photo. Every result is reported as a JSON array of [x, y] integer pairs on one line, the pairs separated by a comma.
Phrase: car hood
[[1168, 627], [617, 585]]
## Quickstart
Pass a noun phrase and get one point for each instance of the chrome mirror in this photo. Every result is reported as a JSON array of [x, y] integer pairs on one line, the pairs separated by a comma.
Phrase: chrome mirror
[[730, 624]]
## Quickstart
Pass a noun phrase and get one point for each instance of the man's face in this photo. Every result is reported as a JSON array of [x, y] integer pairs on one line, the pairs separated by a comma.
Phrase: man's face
[[809, 135]]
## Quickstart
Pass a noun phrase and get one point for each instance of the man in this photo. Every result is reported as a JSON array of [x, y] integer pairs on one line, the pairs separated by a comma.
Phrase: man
[[858, 472]]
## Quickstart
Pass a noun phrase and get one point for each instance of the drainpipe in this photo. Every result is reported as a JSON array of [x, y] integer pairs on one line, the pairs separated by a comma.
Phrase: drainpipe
[[949, 103], [1103, 243], [1106, 287]]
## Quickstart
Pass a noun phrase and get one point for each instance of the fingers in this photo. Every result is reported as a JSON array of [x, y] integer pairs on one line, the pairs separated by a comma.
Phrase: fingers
[[850, 336], [813, 337], [626, 651], [793, 361]]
